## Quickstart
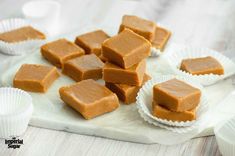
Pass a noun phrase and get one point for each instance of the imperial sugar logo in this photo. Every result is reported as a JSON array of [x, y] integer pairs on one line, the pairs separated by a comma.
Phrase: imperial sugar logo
[[14, 142]]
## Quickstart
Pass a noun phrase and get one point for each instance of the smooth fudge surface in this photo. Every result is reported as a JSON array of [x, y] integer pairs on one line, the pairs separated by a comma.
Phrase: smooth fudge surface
[[131, 76], [35, 78], [126, 49], [91, 42], [84, 67], [164, 113], [176, 95], [161, 37], [139, 25], [59, 51], [126, 93], [89, 98], [21, 34], [203, 65]]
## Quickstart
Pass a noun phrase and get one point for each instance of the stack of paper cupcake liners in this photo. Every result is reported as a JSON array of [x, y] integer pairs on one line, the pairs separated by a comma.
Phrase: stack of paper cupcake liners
[[225, 136], [15, 111]]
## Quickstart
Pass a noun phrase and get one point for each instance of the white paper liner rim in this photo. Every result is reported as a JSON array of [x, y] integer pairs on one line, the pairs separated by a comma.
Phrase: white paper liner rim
[[155, 52], [145, 93], [174, 58], [18, 48], [170, 128]]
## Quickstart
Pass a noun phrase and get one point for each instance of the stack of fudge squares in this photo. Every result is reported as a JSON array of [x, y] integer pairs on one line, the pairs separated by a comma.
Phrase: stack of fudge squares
[[119, 60], [124, 72], [175, 100]]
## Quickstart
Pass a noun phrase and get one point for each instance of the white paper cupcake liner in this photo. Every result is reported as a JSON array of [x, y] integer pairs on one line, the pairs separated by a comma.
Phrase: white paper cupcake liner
[[225, 136], [155, 52], [15, 111], [22, 47], [174, 58], [175, 129], [144, 105]]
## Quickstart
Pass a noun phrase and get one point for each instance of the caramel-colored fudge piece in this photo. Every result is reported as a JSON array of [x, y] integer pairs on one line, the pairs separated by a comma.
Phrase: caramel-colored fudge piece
[[203, 65], [89, 98], [103, 58], [176, 95], [164, 113], [131, 76], [84, 67], [140, 26], [21, 34], [35, 78], [59, 51], [126, 49], [126, 93], [91, 42], [161, 37]]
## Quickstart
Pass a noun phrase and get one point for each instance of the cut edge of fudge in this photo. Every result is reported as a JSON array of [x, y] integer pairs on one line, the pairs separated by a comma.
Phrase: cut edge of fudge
[[164, 113], [122, 94], [102, 58], [117, 73]]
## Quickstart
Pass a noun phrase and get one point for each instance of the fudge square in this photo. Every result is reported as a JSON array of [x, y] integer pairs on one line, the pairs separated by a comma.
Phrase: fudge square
[[84, 67], [203, 65], [91, 42], [164, 113], [89, 98], [126, 93], [102, 58], [35, 78], [131, 76], [161, 37], [126, 49], [22, 34], [176, 95], [59, 51], [140, 26]]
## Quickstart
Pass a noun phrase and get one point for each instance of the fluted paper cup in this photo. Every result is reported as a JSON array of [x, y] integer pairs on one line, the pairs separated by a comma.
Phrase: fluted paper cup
[[144, 105], [15, 111], [175, 129], [225, 136], [22, 47], [155, 52], [174, 58]]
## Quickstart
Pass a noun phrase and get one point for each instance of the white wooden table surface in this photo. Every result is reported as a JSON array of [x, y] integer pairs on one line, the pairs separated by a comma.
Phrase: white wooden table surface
[[197, 22]]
